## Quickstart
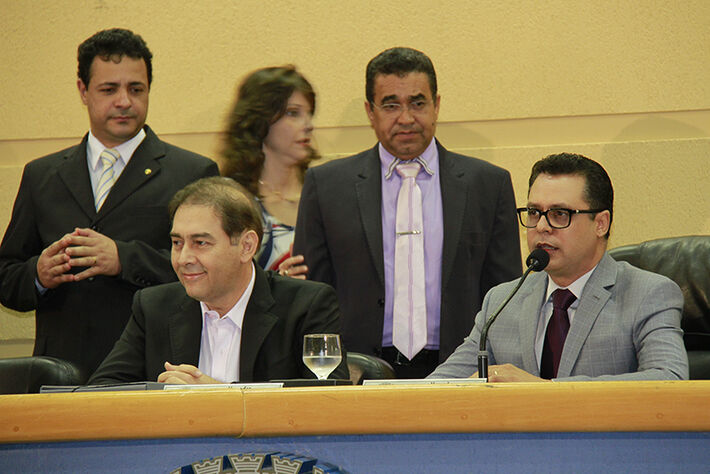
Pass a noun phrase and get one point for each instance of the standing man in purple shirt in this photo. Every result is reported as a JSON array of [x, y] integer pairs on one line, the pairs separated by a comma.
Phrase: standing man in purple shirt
[[408, 289]]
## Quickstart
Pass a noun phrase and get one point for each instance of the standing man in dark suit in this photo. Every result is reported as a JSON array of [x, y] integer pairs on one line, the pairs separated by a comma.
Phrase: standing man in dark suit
[[227, 320], [349, 230], [90, 223]]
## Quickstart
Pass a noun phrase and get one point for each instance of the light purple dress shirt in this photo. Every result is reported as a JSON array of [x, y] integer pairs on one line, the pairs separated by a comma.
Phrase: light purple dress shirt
[[433, 217]]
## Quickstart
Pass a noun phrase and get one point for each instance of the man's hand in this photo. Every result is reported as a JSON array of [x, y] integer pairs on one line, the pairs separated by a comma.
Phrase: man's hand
[[95, 251], [509, 373], [184, 374], [292, 267], [54, 263]]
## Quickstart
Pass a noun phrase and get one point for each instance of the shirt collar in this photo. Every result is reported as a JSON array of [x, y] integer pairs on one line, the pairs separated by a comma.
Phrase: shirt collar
[[94, 148], [575, 287], [428, 159], [236, 313]]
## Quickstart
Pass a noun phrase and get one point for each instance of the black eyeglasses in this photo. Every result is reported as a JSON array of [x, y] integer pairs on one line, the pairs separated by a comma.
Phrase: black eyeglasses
[[557, 217]]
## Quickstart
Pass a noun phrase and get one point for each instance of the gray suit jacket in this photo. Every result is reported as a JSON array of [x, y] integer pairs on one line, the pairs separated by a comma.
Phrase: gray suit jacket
[[339, 231], [627, 327]]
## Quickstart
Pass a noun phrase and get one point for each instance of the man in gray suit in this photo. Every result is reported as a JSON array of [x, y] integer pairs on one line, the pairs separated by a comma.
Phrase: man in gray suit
[[621, 323]]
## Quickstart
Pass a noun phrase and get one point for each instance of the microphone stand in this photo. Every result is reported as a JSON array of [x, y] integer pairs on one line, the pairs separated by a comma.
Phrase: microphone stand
[[536, 261]]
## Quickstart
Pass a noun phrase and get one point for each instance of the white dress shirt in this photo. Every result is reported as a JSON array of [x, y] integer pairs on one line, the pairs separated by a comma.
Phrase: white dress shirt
[[94, 148], [222, 338]]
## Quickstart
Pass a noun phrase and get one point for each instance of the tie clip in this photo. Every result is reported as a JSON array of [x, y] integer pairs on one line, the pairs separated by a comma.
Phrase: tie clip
[[410, 232]]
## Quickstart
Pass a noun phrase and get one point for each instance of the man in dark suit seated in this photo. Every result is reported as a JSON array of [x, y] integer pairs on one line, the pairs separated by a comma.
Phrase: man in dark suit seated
[[226, 320], [90, 223], [586, 317], [408, 289]]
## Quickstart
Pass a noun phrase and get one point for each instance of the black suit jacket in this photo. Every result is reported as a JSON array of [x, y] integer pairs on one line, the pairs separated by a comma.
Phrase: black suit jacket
[[81, 321], [166, 325], [339, 231]]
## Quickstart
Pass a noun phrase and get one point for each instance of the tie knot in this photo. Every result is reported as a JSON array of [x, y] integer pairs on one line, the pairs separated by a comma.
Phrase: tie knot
[[408, 169], [109, 156], [562, 299]]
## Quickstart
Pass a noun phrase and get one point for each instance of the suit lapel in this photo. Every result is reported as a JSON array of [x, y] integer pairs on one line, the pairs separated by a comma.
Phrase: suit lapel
[[258, 323], [533, 295], [143, 166], [453, 201], [368, 191], [185, 327], [74, 172], [594, 296]]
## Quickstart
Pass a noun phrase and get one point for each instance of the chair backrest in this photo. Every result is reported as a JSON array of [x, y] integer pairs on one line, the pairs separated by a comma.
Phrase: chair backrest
[[685, 260], [368, 367], [28, 374]]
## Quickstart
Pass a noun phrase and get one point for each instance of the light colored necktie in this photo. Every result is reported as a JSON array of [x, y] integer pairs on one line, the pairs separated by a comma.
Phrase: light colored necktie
[[409, 332], [108, 177]]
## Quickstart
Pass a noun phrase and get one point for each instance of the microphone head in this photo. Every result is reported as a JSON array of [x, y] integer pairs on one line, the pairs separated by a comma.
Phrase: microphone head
[[537, 260]]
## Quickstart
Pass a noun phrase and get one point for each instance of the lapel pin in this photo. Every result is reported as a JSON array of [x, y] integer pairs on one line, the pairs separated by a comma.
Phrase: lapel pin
[[148, 171]]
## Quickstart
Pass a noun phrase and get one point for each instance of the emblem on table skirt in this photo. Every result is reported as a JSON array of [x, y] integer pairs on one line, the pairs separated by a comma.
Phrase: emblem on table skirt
[[271, 463]]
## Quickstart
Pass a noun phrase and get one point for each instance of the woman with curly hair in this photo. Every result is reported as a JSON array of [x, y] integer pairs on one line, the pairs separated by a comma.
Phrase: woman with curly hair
[[267, 150]]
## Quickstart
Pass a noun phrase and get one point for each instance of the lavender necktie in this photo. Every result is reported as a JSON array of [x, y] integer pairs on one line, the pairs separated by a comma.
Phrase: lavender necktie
[[409, 332], [556, 334]]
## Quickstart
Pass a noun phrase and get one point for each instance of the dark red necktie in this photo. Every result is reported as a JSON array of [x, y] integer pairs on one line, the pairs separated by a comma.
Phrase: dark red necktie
[[556, 334]]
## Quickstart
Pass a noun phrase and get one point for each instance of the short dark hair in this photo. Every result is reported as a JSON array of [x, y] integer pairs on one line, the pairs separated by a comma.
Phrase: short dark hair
[[598, 191], [232, 204], [399, 61], [112, 45], [262, 99]]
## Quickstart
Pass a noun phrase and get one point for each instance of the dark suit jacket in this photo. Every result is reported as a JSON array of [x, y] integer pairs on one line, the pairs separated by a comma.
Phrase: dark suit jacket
[[166, 325], [339, 231], [81, 321]]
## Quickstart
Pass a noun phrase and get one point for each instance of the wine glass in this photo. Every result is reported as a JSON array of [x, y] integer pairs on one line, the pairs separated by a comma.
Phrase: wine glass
[[321, 353]]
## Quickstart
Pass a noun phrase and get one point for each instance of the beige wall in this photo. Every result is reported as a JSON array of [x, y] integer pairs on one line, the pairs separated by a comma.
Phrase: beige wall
[[626, 83]]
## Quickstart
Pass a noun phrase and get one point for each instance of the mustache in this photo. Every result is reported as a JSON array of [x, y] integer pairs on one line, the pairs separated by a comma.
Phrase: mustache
[[410, 128]]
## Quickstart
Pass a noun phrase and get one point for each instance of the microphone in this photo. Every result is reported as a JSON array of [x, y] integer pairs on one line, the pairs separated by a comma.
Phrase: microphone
[[536, 261]]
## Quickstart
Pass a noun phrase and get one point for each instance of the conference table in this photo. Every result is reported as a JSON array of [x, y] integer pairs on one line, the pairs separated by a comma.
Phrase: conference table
[[513, 427]]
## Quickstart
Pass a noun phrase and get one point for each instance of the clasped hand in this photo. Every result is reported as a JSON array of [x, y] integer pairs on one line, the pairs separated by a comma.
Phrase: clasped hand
[[82, 248], [184, 374]]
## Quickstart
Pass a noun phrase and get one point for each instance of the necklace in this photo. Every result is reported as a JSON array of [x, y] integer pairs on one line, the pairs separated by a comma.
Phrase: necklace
[[278, 194]]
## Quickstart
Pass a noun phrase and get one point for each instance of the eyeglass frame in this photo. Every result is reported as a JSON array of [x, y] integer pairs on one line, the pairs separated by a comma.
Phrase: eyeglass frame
[[398, 107], [570, 212]]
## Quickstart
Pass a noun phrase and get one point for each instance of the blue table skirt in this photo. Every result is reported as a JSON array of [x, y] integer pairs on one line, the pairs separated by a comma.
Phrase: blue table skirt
[[410, 453]]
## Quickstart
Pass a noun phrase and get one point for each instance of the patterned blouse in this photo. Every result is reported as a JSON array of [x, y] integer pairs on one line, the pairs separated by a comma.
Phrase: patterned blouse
[[276, 243]]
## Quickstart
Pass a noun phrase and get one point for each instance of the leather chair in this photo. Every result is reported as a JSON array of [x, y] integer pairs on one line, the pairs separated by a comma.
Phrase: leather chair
[[685, 260], [368, 367], [28, 374]]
